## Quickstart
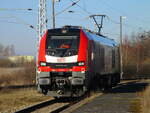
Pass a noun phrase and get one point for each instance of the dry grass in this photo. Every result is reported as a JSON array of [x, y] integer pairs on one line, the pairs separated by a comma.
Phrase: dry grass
[[145, 102], [12, 100], [17, 76], [135, 106]]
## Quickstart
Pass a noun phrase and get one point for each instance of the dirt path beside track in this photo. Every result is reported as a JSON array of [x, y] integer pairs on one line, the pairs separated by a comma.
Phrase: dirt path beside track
[[121, 99]]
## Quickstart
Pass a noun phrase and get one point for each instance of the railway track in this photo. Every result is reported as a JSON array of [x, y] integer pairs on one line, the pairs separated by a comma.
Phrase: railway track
[[51, 106]]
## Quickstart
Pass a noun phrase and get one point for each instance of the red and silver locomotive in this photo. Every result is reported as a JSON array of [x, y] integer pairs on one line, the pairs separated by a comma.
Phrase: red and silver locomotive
[[71, 60]]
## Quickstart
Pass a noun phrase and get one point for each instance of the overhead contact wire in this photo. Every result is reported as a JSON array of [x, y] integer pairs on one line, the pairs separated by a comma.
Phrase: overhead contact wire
[[73, 4], [82, 8]]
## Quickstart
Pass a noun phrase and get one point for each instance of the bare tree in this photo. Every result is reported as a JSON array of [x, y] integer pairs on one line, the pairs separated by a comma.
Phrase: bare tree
[[6, 51], [136, 53], [12, 50], [1, 49]]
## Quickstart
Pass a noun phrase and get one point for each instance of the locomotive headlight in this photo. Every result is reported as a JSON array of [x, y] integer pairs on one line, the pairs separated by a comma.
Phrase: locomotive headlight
[[81, 63], [43, 63]]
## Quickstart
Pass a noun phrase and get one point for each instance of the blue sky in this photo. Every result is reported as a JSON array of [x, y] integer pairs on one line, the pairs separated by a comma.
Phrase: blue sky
[[14, 24]]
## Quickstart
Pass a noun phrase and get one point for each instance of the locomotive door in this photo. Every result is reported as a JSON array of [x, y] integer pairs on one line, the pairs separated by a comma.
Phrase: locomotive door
[[93, 53], [90, 56]]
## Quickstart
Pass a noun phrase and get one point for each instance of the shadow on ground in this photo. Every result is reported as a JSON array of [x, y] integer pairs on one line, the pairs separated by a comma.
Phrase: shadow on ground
[[129, 87]]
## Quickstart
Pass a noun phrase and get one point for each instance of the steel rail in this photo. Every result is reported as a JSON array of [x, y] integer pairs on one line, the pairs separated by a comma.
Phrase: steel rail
[[69, 102], [37, 106]]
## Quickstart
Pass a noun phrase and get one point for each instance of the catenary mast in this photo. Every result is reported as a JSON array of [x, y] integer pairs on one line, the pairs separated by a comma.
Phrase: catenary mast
[[42, 27], [42, 18]]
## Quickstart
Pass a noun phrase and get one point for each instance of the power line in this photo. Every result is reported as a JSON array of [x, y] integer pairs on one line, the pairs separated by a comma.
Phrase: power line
[[20, 21], [34, 11], [16, 9], [65, 18], [4, 17], [73, 4], [82, 8], [84, 5], [111, 34], [115, 9], [11, 22], [123, 12], [113, 21], [117, 23]]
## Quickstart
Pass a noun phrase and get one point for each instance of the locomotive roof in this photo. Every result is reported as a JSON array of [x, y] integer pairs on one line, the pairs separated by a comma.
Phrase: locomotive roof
[[101, 39], [91, 35]]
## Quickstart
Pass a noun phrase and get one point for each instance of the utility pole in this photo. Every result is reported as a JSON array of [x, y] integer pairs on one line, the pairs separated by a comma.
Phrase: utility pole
[[121, 60], [53, 12]]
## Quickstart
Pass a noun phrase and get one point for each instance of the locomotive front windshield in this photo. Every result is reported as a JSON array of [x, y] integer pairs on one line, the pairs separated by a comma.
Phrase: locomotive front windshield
[[62, 46]]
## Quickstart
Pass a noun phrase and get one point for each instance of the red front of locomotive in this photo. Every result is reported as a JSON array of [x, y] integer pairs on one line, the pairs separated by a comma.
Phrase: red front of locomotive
[[62, 62]]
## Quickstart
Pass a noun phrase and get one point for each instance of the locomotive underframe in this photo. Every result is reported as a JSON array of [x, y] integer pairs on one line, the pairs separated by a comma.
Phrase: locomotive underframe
[[62, 84]]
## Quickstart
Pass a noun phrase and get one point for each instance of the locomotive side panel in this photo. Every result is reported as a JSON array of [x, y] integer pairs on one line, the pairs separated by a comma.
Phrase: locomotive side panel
[[104, 59], [108, 60]]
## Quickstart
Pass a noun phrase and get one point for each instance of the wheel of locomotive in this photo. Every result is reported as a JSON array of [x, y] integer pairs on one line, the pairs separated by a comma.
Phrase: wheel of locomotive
[[114, 80], [117, 77], [107, 83], [87, 82], [96, 83], [101, 83]]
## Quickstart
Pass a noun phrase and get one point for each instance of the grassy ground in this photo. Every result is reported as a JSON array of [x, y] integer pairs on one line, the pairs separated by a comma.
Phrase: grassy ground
[[12, 100], [141, 104], [145, 101], [135, 106], [17, 76]]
